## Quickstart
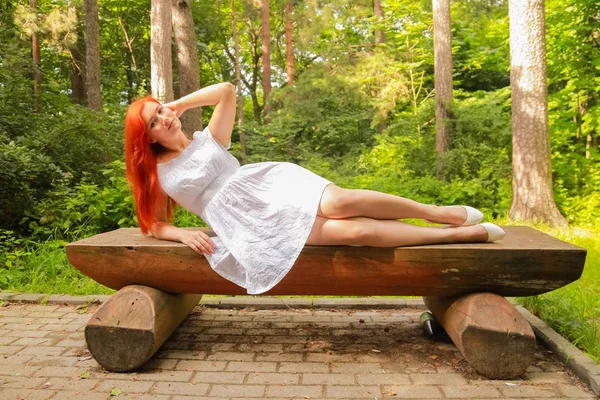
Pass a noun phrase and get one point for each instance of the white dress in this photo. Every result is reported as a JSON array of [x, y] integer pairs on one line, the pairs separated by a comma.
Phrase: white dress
[[262, 213]]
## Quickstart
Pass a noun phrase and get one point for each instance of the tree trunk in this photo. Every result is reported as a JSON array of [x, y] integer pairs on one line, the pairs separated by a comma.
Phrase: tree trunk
[[442, 43], [289, 43], [238, 81], [35, 55], [378, 11], [160, 51], [92, 45], [187, 60], [532, 172], [78, 89], [266, 57]]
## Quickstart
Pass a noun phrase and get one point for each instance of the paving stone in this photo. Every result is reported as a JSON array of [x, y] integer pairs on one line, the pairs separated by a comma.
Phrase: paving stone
[[81, 395], [303, 367], [56, 361], [17, 370], [68, 384], [230, 356], [353, 391], [438, 379], [530, 391], [4, 340], [237, 390], [25, 394], [470, 392], [328, 379], [20, 382], [412, 392], [572, 391], [349, 368], [42, 350], [126, 386], [180, 388], [5, 350], [383, 379], [252, 367], [188, 365], [219, 377], [273, 378]]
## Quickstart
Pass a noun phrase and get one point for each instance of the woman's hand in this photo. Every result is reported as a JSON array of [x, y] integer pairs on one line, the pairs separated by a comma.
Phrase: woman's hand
[[176, 107], [199, 241]]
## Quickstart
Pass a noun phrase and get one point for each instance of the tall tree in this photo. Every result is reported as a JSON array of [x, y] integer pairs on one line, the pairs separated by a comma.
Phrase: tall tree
[[238, 80], [532, 172], [160, 51], [92, 45], [35, 55], [77, 51], [289, 43], [266, 56], [378, 11], [187, 60], [442, 43]]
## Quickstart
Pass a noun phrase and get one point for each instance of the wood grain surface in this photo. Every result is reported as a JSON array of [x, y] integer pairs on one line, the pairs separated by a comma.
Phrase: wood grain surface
[[526, 262]]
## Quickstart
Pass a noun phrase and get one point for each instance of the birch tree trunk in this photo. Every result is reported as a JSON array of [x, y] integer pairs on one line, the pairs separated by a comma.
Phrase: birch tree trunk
[[238, 81], [92, 55], [266, 56], [187, 60], [160, 51], [289, 43], [442, 43], [532, 171]]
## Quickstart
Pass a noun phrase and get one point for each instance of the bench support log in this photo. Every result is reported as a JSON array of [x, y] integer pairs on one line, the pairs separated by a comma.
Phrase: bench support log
[[129, 328], [488, 330]]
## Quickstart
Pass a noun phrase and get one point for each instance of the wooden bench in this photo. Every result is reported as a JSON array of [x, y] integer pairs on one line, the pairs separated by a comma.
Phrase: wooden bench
[[161, 282]]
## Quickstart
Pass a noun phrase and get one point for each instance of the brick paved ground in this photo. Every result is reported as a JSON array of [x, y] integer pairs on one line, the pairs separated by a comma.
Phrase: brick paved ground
[[274, 354]]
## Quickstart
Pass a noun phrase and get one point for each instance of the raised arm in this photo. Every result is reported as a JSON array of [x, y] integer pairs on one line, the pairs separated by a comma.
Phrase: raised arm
[[223, 96]]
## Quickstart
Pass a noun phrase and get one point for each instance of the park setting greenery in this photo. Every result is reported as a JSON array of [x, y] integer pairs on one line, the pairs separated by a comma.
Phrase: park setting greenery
[[358, 113]]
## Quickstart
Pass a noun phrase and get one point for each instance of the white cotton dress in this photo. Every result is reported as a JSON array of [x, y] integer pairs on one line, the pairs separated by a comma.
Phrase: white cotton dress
[[262, 213]]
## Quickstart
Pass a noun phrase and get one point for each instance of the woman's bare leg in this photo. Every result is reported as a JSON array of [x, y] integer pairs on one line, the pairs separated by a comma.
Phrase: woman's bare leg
[[337, 203], [388, 233]]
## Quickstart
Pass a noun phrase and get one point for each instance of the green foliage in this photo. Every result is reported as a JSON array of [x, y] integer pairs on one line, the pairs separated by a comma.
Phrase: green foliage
[[75, 211], [26, 176]]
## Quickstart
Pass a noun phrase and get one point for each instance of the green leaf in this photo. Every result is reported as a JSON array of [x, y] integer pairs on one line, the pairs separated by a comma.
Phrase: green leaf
[[115, 391]]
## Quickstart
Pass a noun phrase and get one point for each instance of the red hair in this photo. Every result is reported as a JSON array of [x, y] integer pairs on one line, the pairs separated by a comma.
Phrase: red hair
[[140, 159]]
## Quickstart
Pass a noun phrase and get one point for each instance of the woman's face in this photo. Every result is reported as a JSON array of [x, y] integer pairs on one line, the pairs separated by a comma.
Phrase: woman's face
[[162, 125]]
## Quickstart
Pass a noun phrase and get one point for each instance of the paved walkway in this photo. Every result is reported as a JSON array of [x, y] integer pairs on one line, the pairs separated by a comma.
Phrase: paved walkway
[[274, 354]]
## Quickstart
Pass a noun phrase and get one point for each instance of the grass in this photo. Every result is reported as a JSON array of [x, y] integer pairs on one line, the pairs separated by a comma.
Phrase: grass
[[573, 310]]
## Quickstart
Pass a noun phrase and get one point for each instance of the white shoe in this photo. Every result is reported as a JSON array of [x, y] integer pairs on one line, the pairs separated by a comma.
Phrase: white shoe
[[494, 232], [474, 216]]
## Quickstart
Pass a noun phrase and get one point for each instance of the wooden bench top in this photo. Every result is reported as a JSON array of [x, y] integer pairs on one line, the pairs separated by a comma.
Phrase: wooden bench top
[[526, 262]]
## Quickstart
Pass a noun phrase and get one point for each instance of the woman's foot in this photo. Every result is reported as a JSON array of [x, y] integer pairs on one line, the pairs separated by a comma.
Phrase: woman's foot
[[456, 215], [481, 233]]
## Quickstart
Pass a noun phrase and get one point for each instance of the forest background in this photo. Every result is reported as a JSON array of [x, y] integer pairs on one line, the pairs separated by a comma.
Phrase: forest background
[[358, 108]]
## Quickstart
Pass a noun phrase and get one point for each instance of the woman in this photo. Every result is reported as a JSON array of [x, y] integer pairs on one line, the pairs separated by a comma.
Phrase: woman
[[263, 213]]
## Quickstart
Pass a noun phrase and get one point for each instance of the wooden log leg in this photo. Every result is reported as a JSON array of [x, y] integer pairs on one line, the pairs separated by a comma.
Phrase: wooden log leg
[[488, 330], [129, 328]]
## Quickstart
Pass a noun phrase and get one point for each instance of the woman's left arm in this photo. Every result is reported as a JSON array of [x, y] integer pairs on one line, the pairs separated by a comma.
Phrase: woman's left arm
[[223, 118]]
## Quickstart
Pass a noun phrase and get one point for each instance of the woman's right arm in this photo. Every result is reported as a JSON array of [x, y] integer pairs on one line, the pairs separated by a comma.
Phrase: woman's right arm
[[198, 241]]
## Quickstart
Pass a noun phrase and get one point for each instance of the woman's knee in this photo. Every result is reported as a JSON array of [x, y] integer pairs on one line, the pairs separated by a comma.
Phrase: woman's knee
[[338, 202], [359, 231]]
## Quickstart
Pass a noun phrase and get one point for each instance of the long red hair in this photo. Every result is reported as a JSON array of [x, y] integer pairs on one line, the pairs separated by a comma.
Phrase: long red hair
[[140, 159]]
